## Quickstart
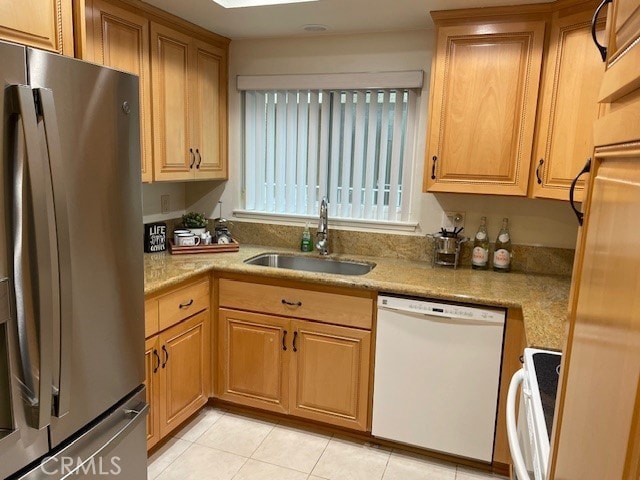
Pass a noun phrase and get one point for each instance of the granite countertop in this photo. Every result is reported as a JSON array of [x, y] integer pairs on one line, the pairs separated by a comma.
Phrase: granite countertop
[[542, 298]]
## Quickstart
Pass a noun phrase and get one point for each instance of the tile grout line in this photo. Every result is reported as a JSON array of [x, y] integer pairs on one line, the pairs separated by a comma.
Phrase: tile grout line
[[320, 456], [191, 443], [222, 414], [174, 460]]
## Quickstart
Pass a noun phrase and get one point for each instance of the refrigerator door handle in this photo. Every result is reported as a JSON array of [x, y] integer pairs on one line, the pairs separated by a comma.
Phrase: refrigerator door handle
[[35, 297], [62, 321]]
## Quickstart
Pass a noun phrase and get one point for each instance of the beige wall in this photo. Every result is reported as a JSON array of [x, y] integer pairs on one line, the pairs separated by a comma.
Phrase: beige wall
[[534, 222]]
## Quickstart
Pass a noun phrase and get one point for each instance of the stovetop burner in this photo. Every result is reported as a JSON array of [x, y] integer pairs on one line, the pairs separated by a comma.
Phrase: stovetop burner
[[547, 369]]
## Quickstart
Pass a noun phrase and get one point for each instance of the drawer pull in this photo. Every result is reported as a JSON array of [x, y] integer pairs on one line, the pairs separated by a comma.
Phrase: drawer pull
[[284, 339], [186, 304], [295, 337], [291, 304]]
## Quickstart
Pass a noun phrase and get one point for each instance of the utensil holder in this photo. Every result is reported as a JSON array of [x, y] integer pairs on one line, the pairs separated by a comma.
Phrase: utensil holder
[[446, 250]]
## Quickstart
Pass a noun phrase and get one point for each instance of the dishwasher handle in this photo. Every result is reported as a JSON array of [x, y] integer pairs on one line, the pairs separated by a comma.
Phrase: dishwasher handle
[[512, 433], [497, 320]]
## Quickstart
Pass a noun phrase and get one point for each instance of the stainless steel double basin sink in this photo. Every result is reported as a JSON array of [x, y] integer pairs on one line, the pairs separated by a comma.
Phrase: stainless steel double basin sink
[[311, 264]]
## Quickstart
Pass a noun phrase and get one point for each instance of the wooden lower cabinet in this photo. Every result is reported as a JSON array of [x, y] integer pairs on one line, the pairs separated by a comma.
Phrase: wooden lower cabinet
[[178, 370], [151, 366], [330, 373], [254, 359], [307, 369]]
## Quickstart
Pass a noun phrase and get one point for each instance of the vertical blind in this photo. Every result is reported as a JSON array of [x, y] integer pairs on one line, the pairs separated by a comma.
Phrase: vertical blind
[[353, 146]]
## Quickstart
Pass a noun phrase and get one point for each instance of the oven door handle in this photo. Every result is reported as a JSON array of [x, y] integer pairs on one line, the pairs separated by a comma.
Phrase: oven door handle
[[512, 434]]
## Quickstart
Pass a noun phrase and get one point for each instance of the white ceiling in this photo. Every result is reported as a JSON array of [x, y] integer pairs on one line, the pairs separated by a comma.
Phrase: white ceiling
[[340, 16]]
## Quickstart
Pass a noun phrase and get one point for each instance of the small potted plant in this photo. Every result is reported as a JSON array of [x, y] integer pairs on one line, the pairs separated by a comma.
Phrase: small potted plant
[[195, 222]]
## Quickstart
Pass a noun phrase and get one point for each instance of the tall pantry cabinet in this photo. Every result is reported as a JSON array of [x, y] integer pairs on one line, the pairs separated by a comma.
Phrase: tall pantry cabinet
[[597, 422]]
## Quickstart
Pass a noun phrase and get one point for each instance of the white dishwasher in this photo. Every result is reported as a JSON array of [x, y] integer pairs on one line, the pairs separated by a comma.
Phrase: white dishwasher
[[437, 370]]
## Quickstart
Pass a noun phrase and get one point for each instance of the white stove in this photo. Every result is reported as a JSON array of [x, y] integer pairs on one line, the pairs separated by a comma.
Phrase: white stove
[[529, 437]]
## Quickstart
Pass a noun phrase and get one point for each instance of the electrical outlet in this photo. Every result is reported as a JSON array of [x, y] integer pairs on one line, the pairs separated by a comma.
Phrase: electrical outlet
[[165, 203], [451, 220]]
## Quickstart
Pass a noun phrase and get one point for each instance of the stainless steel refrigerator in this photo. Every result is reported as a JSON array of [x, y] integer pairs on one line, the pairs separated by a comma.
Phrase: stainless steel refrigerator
[[72, 399]]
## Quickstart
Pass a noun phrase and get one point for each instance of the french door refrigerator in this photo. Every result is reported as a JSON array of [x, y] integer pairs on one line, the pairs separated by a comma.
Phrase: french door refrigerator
[[72, 399]]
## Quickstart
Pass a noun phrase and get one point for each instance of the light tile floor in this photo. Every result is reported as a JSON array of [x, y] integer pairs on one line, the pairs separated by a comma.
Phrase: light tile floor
[[217, 445]]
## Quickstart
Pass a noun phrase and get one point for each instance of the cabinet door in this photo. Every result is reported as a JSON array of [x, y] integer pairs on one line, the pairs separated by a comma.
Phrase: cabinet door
[[45, 24], [623, 50], [254, 359], [121, 40], [625, 27], [210, 107], [569, 107], [330, 374], [597, 427], [484, 92], [152, 366], [184, 350], [174, 156]]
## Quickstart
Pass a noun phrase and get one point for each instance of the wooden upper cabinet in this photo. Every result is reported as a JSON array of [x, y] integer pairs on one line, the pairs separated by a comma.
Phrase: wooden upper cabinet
[[189, 105], [209, 122], [484, 89], [623, 50], [120, 39], [625, 27], [568, 107], [171, 63], [46, 24]]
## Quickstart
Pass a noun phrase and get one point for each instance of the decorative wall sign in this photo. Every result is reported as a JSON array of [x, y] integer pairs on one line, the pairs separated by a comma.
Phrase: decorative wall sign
[[155, 237]]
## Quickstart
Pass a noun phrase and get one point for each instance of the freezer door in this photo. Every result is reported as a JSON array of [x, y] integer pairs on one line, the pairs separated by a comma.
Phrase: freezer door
[[20, 375], [88, 119], [113, 447]]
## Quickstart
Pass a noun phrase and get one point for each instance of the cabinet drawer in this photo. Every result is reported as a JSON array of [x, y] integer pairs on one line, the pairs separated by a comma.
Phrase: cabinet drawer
[[183, 303], [151, 326], [326, 307]]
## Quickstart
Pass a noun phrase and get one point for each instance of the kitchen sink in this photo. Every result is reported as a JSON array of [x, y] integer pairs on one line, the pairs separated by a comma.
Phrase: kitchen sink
[[311, 264]]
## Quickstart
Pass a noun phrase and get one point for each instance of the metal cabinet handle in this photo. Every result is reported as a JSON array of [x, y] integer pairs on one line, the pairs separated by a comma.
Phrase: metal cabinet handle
[[199, 159], [157, 358], [166, 356], [433, 167], [186, 304], [193, 158], [601, 48], [585, 169], [538, 171], [295, 337], [291, 304], [284, 340]]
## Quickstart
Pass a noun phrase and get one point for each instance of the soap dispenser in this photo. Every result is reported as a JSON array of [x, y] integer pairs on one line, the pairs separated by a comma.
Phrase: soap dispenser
[[306, 245]]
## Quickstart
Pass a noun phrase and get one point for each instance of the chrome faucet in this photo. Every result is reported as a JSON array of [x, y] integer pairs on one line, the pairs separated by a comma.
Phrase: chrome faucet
[[322, 243]]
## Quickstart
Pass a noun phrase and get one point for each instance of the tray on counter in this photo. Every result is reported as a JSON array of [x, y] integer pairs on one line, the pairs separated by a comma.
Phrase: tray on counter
[[213, 248]]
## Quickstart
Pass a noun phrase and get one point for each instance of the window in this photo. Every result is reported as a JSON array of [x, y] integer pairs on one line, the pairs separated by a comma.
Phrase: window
[[354, 146]]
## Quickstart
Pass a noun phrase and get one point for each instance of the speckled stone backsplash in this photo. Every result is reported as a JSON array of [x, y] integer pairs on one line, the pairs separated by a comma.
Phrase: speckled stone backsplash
[[527, 259]]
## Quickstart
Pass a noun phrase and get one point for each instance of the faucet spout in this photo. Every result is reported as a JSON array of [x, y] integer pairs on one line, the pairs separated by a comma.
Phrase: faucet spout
[[322, 244]]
